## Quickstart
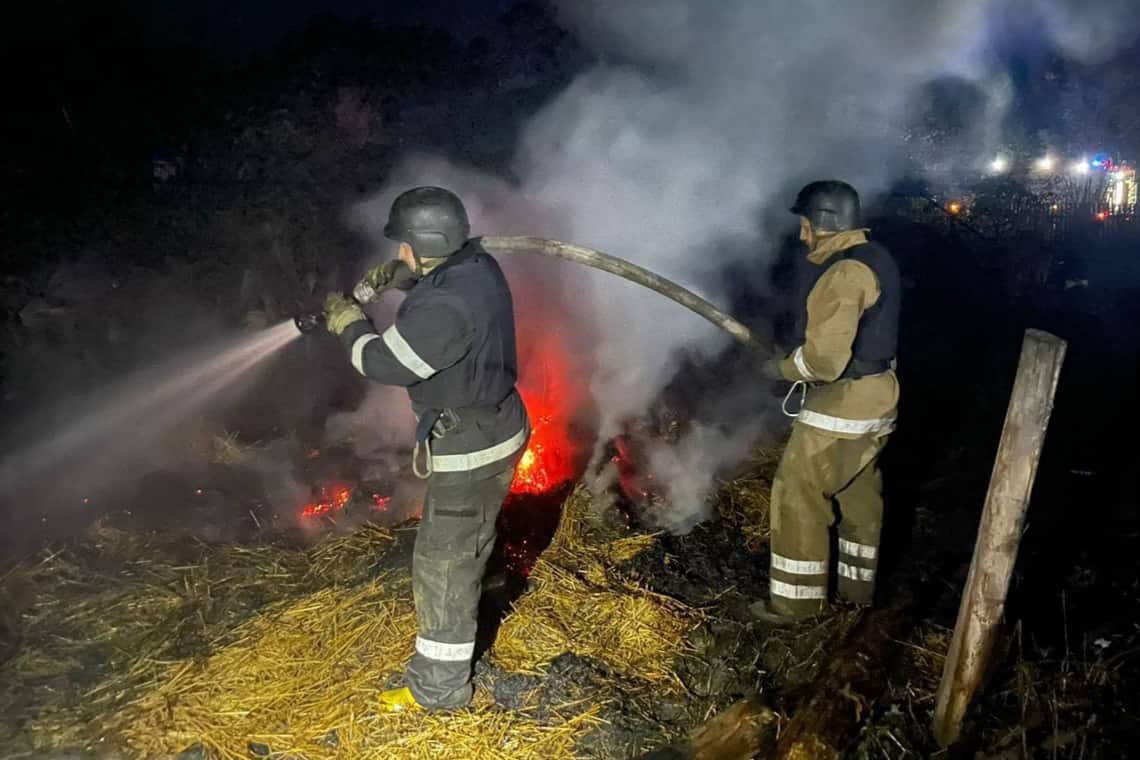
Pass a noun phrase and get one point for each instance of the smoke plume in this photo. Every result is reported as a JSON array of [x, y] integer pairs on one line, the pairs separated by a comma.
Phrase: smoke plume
[[684, 143]]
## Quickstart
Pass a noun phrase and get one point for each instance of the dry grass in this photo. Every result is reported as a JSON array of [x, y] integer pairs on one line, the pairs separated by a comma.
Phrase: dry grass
[[169, 644], [581, 603], [746, 500], [226, 449], [303, 679], [349, 558], [103, 619], [164, 643]]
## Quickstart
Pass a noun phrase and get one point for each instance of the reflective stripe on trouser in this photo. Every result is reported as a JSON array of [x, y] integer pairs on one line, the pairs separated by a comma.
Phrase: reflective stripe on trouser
[[815, 469], [453, 545], [861, 507]]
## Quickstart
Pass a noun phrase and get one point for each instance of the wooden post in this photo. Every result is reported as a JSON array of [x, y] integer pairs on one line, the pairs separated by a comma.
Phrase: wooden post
[[745, 730], [999, 533]]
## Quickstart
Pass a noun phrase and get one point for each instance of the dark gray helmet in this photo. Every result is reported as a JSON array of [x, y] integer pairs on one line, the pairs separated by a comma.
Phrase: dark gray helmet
[[830, 205], [429, 219]]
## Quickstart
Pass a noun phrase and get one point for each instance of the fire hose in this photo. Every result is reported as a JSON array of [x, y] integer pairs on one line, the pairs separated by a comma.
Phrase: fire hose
[[607, 263]]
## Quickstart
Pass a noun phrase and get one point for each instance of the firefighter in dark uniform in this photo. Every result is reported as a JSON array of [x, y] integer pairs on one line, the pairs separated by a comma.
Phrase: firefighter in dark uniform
[[453, 347], [844, 385]]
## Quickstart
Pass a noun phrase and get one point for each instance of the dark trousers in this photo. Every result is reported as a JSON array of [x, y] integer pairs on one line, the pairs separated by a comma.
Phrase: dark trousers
[[453, 544]]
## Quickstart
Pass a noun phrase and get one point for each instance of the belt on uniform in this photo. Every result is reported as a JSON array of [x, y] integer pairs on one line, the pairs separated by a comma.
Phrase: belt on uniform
[[437, 423]]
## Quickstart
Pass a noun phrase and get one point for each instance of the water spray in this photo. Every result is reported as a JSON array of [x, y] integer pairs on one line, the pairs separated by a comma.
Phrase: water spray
[[119, 428]]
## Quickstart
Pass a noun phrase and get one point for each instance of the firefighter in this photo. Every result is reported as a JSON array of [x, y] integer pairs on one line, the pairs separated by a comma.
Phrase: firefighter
[[453, 347], [844, 396]]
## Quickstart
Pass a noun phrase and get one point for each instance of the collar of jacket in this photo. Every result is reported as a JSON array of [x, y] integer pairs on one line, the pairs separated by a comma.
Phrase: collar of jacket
[[463, 254], [833, 244]]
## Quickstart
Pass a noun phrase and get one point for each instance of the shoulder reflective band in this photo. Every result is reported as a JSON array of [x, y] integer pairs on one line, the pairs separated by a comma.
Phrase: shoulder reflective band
[[842, 425], [798, 566], [854, 573], [438, 650], [481, 458], [358, 350], [795, 591], [856, 549], [801, 364], [406, 355]]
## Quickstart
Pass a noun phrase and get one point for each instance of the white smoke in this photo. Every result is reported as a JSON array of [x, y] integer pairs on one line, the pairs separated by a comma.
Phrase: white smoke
[[1090, 31], [716, 112]]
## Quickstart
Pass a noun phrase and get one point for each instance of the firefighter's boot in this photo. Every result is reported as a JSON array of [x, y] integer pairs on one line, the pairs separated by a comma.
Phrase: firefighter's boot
[[765, 613], [398, 700]]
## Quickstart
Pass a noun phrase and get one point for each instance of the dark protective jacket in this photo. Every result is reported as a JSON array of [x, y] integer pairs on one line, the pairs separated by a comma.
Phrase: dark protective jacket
[[854, 391], [876, 342], [453, 346]]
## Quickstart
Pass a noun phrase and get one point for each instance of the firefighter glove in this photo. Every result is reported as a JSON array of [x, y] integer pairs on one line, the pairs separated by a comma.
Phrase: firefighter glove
[[394, 273], [340, 312]]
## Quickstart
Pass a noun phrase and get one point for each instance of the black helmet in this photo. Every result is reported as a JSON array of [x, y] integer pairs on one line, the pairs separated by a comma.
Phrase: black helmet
[[429, 219], [830, 205]]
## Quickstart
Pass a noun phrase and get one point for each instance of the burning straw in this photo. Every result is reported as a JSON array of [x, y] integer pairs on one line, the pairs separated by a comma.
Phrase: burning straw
[[581, 602]]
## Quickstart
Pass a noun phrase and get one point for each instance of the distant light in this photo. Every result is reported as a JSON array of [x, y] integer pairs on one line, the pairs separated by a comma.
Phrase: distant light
[[1081, 167], [999, 164], [1054, 208], [1101, 216], [954, 207], [1045, 163]]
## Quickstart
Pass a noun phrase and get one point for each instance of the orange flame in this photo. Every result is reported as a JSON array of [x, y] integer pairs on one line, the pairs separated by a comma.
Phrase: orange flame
[[331, 500], [550, 399]]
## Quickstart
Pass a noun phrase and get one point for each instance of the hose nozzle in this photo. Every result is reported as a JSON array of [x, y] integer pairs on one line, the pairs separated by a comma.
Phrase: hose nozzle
[[310, 321]]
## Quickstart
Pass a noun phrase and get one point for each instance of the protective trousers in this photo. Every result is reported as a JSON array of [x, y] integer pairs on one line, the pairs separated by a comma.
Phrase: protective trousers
[[822, 478], [454, 542]]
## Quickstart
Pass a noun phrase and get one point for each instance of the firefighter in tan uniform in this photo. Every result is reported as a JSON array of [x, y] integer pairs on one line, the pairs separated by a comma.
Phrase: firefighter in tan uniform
[[844, 396]]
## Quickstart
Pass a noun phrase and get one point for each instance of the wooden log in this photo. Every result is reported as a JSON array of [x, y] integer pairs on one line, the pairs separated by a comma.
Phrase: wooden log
[[846, 691], [999, 533], [743, 731], [842, 697]]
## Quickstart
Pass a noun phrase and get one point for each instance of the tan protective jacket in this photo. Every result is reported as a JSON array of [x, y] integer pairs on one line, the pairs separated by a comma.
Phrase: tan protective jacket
[[841, 408]]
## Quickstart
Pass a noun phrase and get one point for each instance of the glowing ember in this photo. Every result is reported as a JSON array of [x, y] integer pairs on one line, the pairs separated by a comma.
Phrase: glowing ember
[[380, 503], [332, 499], [636, 482]]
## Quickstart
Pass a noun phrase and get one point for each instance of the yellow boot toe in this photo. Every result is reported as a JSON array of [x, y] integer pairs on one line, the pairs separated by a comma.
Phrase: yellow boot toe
[[398, 700]]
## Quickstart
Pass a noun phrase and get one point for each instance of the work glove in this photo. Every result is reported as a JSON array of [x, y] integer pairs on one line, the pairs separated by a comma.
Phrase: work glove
[[340, 312], [390, 274]]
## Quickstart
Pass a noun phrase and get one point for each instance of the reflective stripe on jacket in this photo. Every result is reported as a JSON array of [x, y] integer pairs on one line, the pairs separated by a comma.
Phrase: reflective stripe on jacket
[[453, 347]]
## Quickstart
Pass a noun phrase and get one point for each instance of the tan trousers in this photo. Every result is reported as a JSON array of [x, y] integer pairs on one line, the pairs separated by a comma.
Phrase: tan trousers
[[822, 479]]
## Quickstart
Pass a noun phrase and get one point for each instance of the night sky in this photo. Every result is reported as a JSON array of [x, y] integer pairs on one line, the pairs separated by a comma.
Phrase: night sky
[[241, 26]]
